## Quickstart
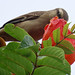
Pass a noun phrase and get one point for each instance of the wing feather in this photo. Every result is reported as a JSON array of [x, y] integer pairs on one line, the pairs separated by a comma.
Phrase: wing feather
[[26, 17]]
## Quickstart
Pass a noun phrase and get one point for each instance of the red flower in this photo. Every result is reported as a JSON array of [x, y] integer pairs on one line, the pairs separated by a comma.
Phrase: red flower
[[54, 24]]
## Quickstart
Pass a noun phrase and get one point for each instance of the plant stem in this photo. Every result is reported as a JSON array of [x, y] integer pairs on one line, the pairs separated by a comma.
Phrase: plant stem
[[64, 38], [35, 65]]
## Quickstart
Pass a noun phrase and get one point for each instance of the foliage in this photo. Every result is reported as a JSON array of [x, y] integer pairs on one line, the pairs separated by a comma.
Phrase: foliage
[[27, 58], [60, 36]]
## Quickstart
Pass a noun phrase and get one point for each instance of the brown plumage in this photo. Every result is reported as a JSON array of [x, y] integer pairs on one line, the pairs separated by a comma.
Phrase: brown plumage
[[34, 22], [2, 42]]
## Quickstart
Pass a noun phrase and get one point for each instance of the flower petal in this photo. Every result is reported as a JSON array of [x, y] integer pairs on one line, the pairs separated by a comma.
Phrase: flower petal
[[54, 24]]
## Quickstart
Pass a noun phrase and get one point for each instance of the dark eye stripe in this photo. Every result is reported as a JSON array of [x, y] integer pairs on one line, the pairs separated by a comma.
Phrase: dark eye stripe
[[58, 13]]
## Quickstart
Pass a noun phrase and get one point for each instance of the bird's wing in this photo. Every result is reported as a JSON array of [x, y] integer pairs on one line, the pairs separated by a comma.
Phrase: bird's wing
[[26, 17]]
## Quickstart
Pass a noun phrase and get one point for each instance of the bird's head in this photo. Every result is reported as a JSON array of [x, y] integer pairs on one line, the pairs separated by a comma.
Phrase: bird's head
[[60, 12]]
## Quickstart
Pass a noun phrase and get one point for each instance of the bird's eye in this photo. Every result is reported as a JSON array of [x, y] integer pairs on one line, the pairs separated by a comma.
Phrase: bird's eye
[[58, 14]]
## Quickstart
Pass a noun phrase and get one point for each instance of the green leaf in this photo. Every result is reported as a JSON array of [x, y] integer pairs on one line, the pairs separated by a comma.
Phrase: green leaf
[[4, 72], [65, 29], [54, 64], [54, 52], [26, 42], [12, 46], [66, 50], [47, 43], [2, 48], [73, 27], [35, 48], [13, 67], [4, 66], [47, 71], [28, 53], [16, 32], [66, 46], [71, 36], [56, 35], [19, 60]]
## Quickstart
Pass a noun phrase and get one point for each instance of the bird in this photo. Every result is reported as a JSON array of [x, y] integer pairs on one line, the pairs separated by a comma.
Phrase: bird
[[34, 22]]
